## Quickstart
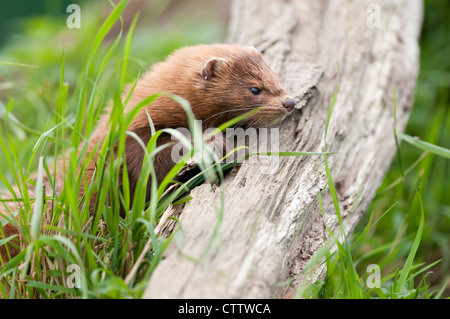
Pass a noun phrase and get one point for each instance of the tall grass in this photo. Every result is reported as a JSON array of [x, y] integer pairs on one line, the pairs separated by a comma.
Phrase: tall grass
[[405, 228], [423, 168], [116, 255], [343, 279], [101, 246], [69, 251]]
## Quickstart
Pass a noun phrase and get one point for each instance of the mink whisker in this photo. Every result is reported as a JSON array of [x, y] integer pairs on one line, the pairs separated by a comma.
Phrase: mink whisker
[[232, 110]]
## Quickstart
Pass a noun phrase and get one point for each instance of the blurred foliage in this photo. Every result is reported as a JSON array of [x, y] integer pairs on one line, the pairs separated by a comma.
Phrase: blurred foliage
[[429, 120], [13, 12], [29, 94]]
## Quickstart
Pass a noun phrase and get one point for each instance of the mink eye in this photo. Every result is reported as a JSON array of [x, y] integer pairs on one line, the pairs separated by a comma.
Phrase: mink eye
[[255, 91]]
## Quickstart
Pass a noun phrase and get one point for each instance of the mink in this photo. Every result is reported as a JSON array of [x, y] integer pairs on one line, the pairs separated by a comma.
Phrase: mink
[[220, 81]]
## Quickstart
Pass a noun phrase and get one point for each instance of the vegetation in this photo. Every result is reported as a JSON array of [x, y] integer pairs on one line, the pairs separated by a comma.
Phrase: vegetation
[[56, 81], [415, 194], [405, 228], [66, 87]]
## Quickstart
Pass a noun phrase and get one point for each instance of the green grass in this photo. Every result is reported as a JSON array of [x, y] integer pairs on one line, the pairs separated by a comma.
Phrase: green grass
[[115, 255], [405, 230], [104, 245], [55, 92], [419, 178], [343, 279]]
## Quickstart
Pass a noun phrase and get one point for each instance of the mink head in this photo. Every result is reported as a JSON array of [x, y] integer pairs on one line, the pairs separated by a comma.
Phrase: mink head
[[239, 81]]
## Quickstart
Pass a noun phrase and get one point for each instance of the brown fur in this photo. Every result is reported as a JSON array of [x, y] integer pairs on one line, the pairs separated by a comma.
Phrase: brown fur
[[216, 80]]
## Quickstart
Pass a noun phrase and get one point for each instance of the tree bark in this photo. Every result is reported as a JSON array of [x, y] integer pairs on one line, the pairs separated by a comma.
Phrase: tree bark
[[272, 224]]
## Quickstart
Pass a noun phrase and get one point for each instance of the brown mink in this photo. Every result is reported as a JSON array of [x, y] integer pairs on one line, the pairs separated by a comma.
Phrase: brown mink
[[220, 81]]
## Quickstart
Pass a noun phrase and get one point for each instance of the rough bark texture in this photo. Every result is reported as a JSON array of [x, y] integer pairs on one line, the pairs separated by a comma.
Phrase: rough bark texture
[[272, 224]]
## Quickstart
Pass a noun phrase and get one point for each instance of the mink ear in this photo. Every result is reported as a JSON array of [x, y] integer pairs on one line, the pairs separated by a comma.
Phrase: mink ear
[[211, 67], [254, 49]]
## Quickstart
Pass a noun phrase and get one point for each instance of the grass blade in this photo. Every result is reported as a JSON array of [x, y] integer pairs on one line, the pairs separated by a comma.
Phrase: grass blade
[[408, 264], [435, 149], [19, 64]]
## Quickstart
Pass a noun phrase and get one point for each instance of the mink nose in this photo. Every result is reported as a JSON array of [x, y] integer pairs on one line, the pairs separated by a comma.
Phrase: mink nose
[[289, 105]]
